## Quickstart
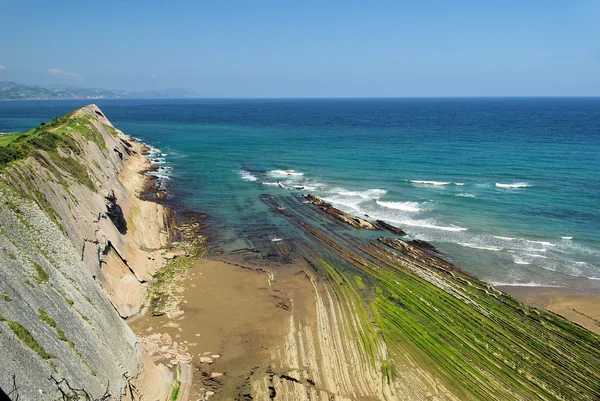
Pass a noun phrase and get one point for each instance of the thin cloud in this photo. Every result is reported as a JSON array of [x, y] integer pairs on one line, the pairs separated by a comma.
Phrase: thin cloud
[[61, 73], [2, 67]]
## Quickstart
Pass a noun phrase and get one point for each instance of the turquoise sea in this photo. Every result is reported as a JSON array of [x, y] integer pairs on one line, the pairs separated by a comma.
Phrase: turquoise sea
[[507, 188]]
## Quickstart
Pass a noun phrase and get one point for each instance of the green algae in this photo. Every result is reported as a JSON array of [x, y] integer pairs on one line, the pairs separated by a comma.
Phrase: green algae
[[480, 342]]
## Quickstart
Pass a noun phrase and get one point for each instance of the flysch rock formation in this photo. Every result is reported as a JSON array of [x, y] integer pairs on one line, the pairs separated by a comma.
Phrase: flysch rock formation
[[77, 245]]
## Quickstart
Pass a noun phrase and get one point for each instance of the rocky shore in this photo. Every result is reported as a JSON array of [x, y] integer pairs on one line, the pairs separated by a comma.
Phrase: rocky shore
[[78, 249], [348, 309]]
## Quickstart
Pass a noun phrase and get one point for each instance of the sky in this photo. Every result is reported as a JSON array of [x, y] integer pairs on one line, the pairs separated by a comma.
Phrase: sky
[[307, 48]]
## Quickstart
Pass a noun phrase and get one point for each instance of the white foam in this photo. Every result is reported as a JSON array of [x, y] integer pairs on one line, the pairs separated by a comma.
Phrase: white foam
[[273, 184], [366, 194], [460, 184], [504, 238], [476, 246], [276, 239], [466, 195], [515, 185], [567, 238], [285, 173], [520, 261], [436, 183], [247, 176], [545, 243], [533, 255], [531, 284], [426, 224], [594, 278], [404, 206]]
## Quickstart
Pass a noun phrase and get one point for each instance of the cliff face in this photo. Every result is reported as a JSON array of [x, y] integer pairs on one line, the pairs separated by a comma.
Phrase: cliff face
[[77, 245]]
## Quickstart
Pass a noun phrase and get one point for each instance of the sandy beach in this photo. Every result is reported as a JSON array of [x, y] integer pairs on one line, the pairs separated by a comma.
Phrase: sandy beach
[[578, 306]]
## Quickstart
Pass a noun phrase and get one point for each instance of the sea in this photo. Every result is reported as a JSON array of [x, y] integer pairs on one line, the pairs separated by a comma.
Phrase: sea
[[507, 188]]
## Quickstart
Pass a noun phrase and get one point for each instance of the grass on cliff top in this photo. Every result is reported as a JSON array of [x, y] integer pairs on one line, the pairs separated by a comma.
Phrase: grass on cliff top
[[56, 139], [8, 138]]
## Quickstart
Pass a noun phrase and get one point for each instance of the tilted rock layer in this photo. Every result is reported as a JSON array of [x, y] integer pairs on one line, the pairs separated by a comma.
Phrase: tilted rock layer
[[76, 246]]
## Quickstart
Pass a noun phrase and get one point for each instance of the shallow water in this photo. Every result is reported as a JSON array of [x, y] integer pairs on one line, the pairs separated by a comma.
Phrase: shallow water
[[508, 188]]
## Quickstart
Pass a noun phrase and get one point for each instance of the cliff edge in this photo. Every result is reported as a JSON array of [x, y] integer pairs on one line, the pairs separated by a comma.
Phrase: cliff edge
[[77, 247]]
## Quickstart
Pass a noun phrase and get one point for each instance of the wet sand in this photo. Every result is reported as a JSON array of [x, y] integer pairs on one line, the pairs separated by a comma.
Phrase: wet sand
[[232, 319], [578, 306]]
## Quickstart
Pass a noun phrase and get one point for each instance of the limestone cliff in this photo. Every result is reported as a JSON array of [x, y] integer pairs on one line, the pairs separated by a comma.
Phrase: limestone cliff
[[77, 245]]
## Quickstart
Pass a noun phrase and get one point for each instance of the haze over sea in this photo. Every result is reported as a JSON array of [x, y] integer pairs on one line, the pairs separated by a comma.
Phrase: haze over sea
[[508, 188]]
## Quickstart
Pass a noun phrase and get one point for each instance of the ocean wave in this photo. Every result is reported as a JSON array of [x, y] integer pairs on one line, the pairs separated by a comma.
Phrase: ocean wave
[[545, 243], [272, 184], [483, 247], [520, 261], [460, 184], [350, 203], [530, 284], [366, 194], [435, 183], [567, 238], [514, 185], [276, 239], [466, 195], [504, 238], [404, 206], [159, 175], [285, 173], [247, 176], [427, 224], [533, 255]]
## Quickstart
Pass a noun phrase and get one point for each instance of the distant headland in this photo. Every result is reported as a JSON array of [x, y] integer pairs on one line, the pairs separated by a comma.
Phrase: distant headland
[[14, 91]]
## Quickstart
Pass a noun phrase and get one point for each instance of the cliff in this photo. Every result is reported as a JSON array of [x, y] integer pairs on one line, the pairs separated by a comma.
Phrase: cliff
[[78, 246]]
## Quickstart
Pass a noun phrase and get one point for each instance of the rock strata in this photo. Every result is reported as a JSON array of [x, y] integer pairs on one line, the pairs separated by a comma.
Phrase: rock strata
[[77, 245]]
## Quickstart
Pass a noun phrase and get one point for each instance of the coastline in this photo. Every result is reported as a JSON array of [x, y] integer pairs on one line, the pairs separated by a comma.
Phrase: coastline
[[329, 313]]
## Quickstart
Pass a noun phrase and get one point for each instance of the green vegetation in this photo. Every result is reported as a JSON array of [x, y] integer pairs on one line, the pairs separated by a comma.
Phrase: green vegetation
[[68, 300], [175, 391], [176, 386], [54, 146], [110, 130], [42, 275], [482, 343], [61, 336], [50, 322], [83, 317], [8, 138], [26, 338], [156, 289], [6, 298], [359, 282]]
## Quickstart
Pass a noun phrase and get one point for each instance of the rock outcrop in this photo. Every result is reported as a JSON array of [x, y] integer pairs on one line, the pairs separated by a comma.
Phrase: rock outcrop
[[77, 245]]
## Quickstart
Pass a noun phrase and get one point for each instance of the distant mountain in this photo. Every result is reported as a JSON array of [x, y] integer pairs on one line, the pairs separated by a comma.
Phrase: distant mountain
[[14, 91]]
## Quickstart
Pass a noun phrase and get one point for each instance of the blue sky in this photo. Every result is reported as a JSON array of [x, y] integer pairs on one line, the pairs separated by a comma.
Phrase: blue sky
[[307, 48]]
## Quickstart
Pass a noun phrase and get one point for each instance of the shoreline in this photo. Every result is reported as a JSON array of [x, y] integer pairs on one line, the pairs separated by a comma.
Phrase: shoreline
[[577, 306], [328, 312]]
